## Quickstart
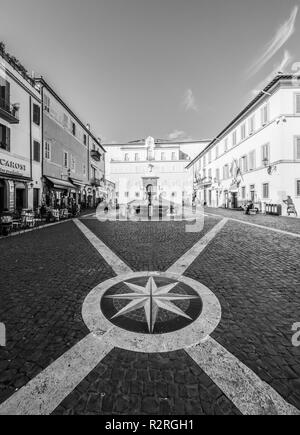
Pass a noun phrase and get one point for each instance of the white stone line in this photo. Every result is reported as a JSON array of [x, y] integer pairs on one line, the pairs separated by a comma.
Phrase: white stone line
[[118, 266], [276, 230], [43, 394], [30, 230], [241, 385], [181, 265]]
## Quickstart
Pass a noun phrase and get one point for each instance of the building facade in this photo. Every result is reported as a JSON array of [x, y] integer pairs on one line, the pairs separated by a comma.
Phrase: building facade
[[158, 165], [20, 137], [257, 156], [73, 162]]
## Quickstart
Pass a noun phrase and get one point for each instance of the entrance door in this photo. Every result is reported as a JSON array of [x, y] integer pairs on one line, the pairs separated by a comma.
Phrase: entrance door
[[209, 197], [20, 199], [2, 196], [234, 200], [36, 198]]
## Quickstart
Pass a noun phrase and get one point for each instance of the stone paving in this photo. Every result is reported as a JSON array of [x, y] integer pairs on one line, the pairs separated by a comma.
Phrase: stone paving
[[128, 383], [148, 246], [45, 276], [254, 272], [256, 278], [276, 222]]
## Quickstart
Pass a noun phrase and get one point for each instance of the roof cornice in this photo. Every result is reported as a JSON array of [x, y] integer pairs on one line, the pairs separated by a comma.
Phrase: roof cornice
[[271, 86], [49, 88]]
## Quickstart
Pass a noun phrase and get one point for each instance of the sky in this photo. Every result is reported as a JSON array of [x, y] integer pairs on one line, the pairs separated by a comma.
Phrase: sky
[[171, 69]]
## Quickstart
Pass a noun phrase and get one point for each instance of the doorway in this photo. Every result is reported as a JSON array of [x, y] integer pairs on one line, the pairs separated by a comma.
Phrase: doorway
[[2, 196], [20, 198], [234, 200], [36, 198]]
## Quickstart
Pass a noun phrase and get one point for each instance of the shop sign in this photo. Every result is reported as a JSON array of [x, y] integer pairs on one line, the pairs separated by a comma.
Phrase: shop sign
[[14, 166]]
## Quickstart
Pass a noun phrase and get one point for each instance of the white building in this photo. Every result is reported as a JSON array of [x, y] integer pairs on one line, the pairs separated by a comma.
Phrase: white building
[[20, 136], [257, 156], [160, 165]]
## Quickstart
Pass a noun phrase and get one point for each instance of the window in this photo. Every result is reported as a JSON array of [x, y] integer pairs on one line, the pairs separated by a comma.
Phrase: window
[[137, 157], [73, 164], [252, 161], [36, 114], [73, 128], [36, 151], [126, 194], [217, 152], [243, 192], [163, 156], [204, 173], [47, 103], [244, 166], [298, 188], [173, 156], [297, 104], [218, 174], [252, 125], [266, 190], [264, 115], [137, 195], [209, 173], [66, 160], [226, 172], [204, 161], [265, 154], [4, 137], [243, 131], [65, 121], [84, 139], [226, 145], [4, 92], [47, 151], [209, 156], [297, 148], [126, 157], [234, 138]]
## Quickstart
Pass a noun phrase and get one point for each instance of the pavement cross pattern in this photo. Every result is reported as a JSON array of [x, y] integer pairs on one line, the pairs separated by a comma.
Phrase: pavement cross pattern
[[252, 271]]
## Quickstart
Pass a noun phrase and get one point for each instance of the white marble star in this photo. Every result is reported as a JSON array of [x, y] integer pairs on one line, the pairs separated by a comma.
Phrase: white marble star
[[151, 298]]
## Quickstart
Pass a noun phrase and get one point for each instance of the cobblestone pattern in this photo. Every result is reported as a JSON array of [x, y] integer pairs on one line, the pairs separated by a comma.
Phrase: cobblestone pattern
[[256, 276], [289, 224], [128, 383], [148, 246], [45, 276]]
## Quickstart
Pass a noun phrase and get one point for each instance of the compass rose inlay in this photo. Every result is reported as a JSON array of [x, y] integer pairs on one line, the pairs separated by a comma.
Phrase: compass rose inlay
[[153, 300]]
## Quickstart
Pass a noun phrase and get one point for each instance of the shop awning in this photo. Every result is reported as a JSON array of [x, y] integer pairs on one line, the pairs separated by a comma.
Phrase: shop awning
[[78, 182], [60, 184]]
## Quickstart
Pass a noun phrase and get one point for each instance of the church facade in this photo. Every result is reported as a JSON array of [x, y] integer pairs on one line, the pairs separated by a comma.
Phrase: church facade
[[152, 165]]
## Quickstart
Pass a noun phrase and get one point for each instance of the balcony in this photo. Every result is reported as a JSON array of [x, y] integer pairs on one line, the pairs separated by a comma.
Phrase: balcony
[[97, 182], [8, 112], [96, 155]]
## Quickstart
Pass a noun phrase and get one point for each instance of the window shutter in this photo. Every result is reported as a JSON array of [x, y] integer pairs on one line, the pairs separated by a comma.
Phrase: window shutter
[[297, 149], [7, 139], [298, 104]]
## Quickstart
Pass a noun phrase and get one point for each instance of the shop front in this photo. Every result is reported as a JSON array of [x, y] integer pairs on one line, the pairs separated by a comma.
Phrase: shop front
[[58, 193], [15, 180], [79, 194]]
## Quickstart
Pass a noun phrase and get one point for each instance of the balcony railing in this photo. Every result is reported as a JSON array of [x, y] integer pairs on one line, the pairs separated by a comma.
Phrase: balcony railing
[[97, 182], [8, 112], [96, 155]]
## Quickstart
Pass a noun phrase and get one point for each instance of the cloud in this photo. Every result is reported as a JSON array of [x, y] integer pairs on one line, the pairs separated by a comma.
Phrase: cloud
[[177, 134], [189, 101], [280, 68], [282, 35]]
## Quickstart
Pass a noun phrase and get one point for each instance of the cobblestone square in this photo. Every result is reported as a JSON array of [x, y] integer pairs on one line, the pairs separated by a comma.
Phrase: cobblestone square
[[248, 275]]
